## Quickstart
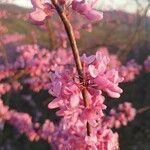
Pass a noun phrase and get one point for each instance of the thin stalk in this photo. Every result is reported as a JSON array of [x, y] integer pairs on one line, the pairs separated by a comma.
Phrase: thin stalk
[[51, 35], [141, 110], [73, 44]]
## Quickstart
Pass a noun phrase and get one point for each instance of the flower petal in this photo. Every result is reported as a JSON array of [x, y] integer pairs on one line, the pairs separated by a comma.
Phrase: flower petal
[[38, 16]]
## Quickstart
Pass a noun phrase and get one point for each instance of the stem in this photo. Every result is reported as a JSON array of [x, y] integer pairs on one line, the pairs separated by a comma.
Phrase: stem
[[71, 37], [51, 35], [141, 110]]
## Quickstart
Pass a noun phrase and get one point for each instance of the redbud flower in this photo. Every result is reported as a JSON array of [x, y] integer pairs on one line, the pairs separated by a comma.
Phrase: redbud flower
[[84, 8], [42, 11], [100, 76], [120, 116]]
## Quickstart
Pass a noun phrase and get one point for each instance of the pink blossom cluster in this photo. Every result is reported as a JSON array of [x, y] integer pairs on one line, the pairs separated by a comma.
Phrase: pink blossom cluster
[[11, 38], [51, 70], [6, 87], [130, 71], [34, 64], [147, 64], [46, 9], [6, 71], [84, 7], [67, 90], [38, 63], [24, 124], [121, 116], [57, 136], [99, 75], [72, 138]]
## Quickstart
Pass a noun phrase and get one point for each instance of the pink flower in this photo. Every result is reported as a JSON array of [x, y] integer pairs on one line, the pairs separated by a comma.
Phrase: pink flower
[[100, 75], [42, 11], [109, 83], [46, 130], [120, 116], [85, 9]]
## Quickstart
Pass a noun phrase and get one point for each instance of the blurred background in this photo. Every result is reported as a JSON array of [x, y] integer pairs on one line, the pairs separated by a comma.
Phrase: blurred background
[[125, 31]]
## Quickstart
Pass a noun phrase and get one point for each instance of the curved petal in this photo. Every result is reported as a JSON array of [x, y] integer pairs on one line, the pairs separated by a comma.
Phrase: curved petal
[[55, 103], [94, 15], [74, 100], [38, 16], [93, 71]]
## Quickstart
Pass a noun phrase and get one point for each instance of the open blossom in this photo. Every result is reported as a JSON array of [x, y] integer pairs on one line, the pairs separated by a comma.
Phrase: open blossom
[[100, 75], [84, 8], [120, 116], [70, 102], [94, 113], [128, 71], [41, 12], [67, 96]]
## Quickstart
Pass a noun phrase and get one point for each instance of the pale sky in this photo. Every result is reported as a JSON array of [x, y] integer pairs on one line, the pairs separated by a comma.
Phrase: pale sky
[[127, 5]]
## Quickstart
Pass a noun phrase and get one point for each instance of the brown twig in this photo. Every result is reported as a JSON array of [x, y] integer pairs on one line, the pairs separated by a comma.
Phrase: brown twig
[[141, 110], [51, 35], [71, 37]]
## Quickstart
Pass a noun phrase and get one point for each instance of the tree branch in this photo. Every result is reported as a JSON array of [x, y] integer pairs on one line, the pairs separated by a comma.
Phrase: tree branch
[[71, 37]]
